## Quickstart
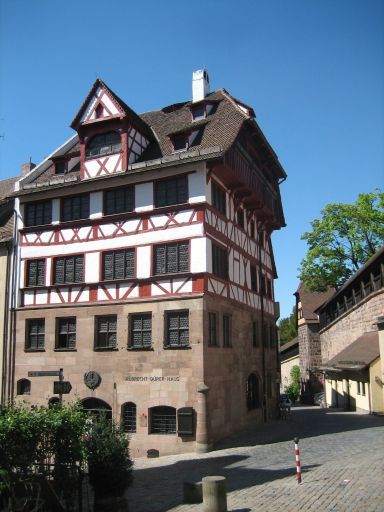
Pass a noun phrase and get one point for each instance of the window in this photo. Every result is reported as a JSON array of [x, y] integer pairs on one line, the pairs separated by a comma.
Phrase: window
[[240, 217], [255, 334], [36, 273], [219, 261], [65, 333], [180, 141], [23, 387], [140, 331], [185, 421], [253, 278], [119, 201], [54, 401], [227, 341], [35, 334], [171, 191], [37, 214], [219, 198], [106, 331], [162, 420], [212, 329], [171, 258], [198, 111], [75, 208], [103, 144], [60, 166], [252, 228], [361, 388], [128, 417], [119, 264], [177, 329], [68, 269], [253, 393]]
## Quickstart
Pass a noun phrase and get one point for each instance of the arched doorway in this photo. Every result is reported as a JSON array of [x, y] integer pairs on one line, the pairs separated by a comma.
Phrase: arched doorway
[[97, 406]]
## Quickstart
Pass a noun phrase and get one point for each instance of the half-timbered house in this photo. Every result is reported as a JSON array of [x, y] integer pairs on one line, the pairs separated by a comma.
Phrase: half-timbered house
[[147, 270]]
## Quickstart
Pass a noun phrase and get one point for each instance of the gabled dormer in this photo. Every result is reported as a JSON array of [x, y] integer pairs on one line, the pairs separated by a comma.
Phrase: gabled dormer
[[111, 134]]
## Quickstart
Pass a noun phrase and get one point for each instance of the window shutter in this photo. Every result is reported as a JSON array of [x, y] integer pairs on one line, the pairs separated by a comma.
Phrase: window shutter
[[119, 264], [182, 189], [67, 211], [32, 273], [40, 272], [129, 199], [69, 270], [161, 193], [171, 263], [130, 263], [47, 212], [184, 257], [84, 200], [160, 259], [59, 271], [108, 265], [79, 269], [171, 191], [185, 421]]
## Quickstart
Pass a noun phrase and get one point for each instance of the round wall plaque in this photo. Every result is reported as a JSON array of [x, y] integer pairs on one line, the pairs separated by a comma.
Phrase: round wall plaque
[[92, 379]]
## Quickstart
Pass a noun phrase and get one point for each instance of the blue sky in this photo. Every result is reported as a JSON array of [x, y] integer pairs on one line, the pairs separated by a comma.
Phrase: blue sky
[[312, 69]]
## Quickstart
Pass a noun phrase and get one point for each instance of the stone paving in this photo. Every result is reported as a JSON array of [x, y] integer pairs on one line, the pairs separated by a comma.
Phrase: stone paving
[[342, 458]]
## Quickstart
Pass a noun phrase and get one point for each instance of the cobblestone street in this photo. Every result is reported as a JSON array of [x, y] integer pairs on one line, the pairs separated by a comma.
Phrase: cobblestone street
[[342, 459]]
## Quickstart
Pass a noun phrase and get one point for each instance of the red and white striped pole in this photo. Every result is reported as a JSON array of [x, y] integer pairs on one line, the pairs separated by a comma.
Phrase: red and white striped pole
[[297, 456]]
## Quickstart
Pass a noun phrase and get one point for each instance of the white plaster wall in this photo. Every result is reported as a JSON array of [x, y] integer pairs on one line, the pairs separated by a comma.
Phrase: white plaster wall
[[209, 255], [22, 273], [196, 186], [92, 267], [198, 255], [143, 258], [96, 205], [48, 272], [144, 197]]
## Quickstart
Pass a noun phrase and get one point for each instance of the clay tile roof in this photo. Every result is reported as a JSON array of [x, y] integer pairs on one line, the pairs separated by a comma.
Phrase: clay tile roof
[[7, 186], [6, 210], [310, 301], [359, 354]]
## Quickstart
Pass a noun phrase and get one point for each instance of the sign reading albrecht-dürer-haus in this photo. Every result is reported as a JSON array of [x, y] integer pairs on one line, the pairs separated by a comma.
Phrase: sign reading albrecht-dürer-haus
[[146, 268]]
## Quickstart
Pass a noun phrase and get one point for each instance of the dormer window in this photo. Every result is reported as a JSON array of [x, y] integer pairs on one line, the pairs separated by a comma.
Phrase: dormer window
[[104, 144], [60, 167], [186, 140], [201, 110]]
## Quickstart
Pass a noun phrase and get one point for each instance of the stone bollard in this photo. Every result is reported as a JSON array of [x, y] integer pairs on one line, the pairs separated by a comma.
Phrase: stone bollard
[[214, 494]]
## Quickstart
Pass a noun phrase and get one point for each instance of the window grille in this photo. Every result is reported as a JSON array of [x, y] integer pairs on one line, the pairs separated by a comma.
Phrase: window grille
[[119, 264], [162, 420], [66, 333], [128, 417], [106, 332], [219, 262], [171, 191], [171, 258], [75, 208], [68, 269], [141, 331], [35, 329], [177, 329], [104, 144], [38, 213], [35, 272], [119, 201]]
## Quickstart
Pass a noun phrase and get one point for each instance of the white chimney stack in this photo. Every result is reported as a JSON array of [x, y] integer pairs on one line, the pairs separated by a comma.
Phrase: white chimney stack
[[200, 85]]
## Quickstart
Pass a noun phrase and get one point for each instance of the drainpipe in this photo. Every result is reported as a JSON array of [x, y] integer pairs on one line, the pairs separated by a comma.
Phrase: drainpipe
[[5, 327]]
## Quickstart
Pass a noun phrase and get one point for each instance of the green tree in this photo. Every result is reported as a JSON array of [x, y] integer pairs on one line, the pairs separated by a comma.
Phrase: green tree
[[345, 237], [287, 327], [293, 390]]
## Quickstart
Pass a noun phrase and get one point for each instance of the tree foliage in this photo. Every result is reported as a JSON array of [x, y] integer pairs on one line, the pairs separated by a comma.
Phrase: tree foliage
[[287, 327], [345, 237], [293, 390]]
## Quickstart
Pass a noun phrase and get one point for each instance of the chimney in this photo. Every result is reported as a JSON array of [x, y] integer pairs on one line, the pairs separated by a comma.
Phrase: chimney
[[200, 85], [26, 168]]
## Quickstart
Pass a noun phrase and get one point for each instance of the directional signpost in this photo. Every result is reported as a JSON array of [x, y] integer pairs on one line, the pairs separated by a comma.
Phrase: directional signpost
[[60, 387]]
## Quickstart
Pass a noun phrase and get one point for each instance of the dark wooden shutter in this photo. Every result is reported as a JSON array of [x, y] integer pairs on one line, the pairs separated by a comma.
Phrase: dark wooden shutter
[[47, 216], [67, 210], [69, 270], [84, 212], [119, 264], [182, 190], [32, 273], [171, 258], [160, 252], [129, 263], [59, 271], [161, 194], [183, 257], [108, 265], [185, 421], [40, 272], [79, 269]]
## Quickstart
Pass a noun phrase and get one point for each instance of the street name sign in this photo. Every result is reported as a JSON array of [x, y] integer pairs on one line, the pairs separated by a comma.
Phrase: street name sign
[[52, 373], [62, 387]]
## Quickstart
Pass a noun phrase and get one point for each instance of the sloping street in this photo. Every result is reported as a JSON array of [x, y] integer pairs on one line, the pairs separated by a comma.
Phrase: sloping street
[[341, 457]]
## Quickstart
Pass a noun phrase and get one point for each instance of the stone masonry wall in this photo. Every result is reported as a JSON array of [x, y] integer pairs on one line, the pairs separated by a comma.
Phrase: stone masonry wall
[[352, 324]]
